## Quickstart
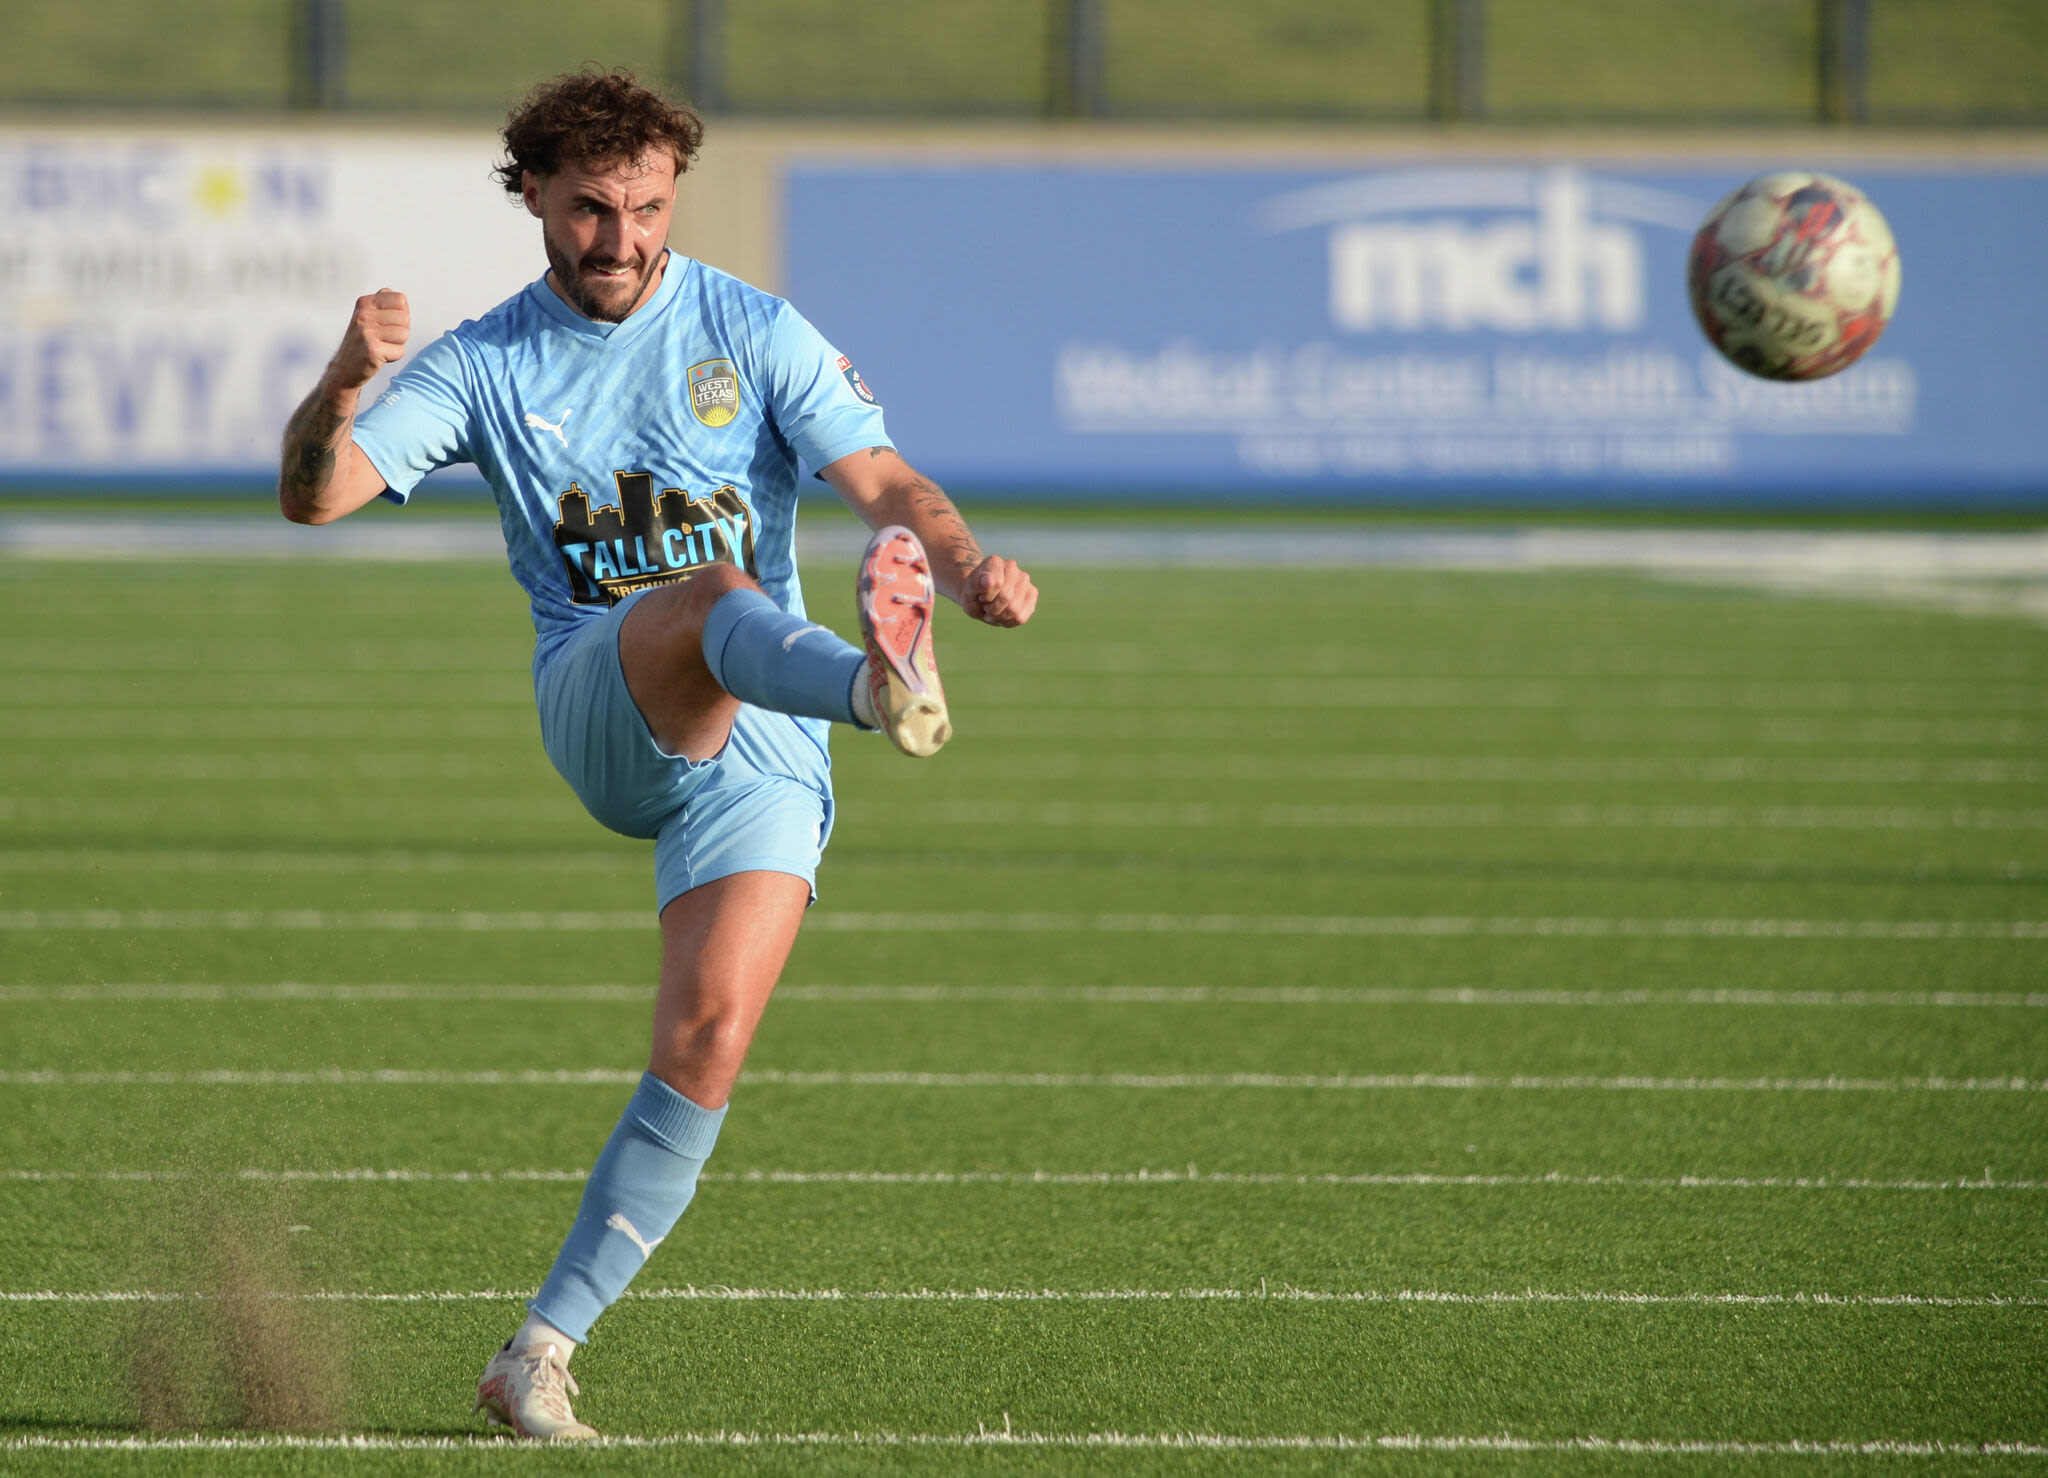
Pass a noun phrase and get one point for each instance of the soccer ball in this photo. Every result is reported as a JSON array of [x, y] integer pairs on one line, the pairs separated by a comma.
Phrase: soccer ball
[[1793, 276]]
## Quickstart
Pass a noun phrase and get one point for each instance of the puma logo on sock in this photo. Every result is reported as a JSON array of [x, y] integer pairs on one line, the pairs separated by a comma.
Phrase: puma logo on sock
[[618, 1222], [796, 636]]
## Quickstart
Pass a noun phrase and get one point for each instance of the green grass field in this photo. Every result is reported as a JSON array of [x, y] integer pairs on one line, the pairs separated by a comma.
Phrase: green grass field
[[1500, 1018]]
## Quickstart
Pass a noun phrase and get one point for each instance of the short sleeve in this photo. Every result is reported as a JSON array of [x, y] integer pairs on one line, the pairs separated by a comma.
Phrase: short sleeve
[[819, 401], [421, 422]]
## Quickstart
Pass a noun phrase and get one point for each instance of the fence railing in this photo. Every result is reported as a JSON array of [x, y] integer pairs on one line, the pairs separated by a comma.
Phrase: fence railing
[[1916, 62]]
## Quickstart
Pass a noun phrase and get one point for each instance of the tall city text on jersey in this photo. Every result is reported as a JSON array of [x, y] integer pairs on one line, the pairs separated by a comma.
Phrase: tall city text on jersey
[[646, 540]]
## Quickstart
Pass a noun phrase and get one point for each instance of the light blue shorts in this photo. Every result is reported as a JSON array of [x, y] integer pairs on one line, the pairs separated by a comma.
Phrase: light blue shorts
[[761, 804]]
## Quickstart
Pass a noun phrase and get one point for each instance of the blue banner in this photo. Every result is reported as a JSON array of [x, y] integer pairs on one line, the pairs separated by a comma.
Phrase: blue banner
[[1510, 332]]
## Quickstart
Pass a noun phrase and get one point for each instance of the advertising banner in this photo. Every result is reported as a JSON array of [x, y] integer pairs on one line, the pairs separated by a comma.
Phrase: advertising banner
[[1482, 331], [166, 299]]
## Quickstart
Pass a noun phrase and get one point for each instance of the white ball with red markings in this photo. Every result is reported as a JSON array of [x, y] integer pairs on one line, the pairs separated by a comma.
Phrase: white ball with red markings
[[1794, 275]]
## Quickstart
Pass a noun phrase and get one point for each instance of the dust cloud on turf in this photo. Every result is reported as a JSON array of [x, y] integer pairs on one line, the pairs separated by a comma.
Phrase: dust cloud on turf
[[233, 1349]]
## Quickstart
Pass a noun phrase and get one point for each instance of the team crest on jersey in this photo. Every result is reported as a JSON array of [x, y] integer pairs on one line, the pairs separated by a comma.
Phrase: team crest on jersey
[[853, 379], [714, 392], [647, 540]]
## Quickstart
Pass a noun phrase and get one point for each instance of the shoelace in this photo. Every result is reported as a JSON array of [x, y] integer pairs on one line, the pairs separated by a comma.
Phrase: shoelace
[[546, 1378]]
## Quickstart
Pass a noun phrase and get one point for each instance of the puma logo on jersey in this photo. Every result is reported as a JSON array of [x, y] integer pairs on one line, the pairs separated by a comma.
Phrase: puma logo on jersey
[[618, 1223], [535, 423]]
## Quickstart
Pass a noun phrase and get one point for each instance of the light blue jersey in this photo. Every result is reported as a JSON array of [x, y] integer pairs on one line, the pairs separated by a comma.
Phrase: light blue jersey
[[626, 455]]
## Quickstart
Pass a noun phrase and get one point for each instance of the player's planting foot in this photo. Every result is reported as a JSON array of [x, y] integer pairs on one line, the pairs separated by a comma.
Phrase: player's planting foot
[[896, 604], [528, 1390]]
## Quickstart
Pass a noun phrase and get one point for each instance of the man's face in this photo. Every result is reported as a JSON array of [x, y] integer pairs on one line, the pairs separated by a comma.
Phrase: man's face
[[605, 227]]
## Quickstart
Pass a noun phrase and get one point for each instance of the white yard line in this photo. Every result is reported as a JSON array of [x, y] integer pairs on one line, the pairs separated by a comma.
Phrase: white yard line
[[1233, 686], [1098, 762], [489, 807], [427, 697], [385, 722], [1396, 1081], [1423, 925], [1468, 769], [75, 859], [1007, 1437], [1282, 1293], [1201, 815], [283, 994], [1392, 996], [1263, 689], [1419, 925], [1346, 816], [1101, 721], [1241, 689], [1079, 1178], [296, 1177], [321, 920], [759, 1077], [1112, 995], [1235, 817]]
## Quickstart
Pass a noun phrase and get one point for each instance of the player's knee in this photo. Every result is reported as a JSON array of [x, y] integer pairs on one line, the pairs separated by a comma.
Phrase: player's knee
[[706, 1047], [667, 627], [678, 612], [713, 583]]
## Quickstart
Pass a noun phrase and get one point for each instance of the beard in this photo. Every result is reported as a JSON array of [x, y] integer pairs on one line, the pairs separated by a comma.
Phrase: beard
[[601, 299]]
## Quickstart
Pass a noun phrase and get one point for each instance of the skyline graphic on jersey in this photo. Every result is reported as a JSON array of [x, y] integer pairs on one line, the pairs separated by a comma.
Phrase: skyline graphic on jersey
[[644, 540]]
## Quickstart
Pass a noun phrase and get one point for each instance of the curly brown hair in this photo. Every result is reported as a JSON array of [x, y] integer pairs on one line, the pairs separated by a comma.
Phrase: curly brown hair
[[594, 117]]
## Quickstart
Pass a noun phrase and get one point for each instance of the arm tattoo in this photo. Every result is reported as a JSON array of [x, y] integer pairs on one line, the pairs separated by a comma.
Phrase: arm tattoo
[[310, 438], [943, 525]]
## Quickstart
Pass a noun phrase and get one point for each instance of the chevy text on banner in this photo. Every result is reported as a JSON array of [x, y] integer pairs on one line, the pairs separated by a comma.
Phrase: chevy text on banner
[[1500, 330], [167, 298]]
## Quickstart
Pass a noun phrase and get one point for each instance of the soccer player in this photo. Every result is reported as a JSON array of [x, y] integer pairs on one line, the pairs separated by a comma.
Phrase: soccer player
[[639, 417]]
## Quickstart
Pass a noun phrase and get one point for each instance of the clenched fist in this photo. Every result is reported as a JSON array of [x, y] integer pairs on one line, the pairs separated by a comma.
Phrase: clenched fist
[[999, 592], [376, 336]]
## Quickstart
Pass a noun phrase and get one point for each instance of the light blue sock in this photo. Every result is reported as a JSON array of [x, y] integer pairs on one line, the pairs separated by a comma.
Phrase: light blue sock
[[638, 1188], [764, 656]]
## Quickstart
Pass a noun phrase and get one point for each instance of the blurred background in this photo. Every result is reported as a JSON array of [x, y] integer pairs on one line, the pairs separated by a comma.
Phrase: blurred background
[[1409, 253], [1934, 63]]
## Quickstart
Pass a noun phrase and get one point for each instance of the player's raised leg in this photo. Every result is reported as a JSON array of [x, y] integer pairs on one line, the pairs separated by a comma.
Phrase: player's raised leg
[[693, 652], [723, 948]]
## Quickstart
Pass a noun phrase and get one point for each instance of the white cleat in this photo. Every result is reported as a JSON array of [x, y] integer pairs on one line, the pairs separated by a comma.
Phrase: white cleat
[[528, 1390], [896, 597]]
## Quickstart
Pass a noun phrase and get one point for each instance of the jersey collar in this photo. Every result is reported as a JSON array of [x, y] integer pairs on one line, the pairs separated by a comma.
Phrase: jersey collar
[[635, 323]]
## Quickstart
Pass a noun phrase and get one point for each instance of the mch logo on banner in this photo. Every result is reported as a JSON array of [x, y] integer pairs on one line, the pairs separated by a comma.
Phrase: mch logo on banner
[[1505, 330]]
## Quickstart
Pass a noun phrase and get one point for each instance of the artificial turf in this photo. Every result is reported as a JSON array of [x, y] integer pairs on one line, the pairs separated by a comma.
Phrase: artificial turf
[[1516, 1013]]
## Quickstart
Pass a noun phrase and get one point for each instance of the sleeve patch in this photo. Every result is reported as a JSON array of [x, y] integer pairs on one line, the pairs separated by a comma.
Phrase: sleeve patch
[[855, 382]]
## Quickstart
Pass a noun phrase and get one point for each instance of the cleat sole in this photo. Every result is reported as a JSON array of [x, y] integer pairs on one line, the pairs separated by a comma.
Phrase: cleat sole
[[895, 574]]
